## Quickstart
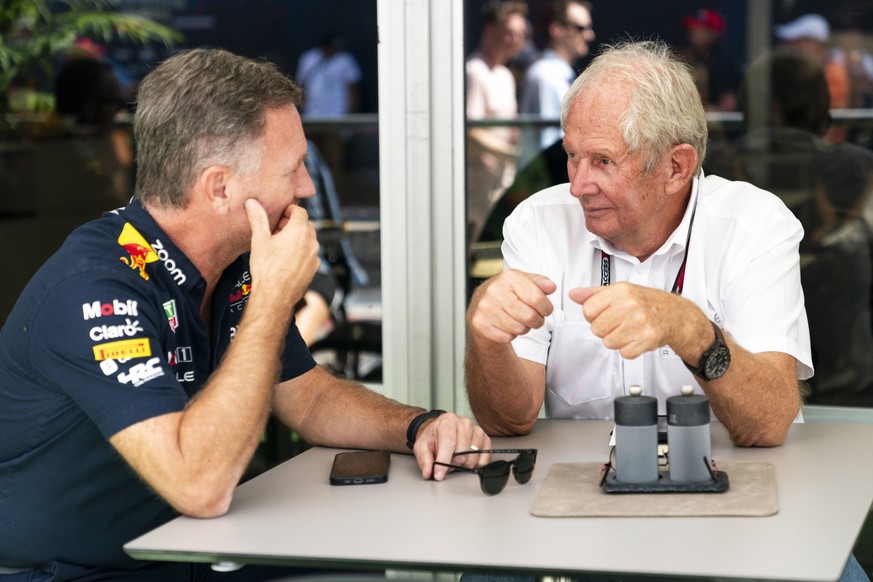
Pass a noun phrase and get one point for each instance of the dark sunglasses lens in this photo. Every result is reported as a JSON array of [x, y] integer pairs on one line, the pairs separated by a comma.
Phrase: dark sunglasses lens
[[524, 467], [493, 477]]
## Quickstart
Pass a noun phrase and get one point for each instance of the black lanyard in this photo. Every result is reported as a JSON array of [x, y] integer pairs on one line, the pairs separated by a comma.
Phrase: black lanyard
[[606, 264], [678, 283]]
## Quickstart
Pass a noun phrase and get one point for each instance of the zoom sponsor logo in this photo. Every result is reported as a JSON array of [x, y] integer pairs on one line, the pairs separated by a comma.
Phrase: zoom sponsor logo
[[169, 264], [104, 332]]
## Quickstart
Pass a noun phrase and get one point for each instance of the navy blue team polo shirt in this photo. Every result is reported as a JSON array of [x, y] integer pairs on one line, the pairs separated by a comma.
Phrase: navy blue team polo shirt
[[105, 335]]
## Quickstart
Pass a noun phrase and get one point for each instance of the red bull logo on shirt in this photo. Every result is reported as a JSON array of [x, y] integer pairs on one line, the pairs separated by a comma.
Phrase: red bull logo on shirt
[[239, 294], [137, 248]]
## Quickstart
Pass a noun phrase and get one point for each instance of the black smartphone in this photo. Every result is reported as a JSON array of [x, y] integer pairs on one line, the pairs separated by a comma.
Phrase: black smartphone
[[360, 468]]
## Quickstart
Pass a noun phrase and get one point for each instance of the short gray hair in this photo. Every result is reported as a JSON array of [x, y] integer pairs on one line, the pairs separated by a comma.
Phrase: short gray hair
[[200, 108], [665, 108]]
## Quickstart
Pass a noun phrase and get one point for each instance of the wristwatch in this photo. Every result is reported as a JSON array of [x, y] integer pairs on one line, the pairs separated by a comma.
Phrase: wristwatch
[[715, 361]]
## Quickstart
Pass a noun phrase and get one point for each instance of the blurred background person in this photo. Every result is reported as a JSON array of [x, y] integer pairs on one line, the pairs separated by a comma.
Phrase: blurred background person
[[315, 315], [786, 106], [491, 94], [809, 35], [715, 71], [851, 50], [566, 30], [97, 153], [331, 79], [528, 54], [851, 53]]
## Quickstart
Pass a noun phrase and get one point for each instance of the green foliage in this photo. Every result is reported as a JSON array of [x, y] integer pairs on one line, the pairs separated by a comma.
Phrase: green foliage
[[34, 32]]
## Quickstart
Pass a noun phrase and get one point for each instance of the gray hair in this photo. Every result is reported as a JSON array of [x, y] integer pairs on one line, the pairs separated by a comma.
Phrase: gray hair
[[200, 108], [665, 108]]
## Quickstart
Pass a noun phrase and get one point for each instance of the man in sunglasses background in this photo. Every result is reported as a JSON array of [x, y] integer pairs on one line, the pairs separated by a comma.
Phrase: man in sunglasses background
[[641, 271], [565, 31]]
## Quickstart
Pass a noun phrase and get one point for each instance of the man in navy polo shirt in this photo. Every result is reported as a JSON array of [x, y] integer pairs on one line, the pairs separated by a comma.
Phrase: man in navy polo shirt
[[139, 366]]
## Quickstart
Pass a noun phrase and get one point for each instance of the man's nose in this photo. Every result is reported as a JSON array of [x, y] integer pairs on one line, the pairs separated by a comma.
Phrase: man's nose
[[580, 183], [307, 188]]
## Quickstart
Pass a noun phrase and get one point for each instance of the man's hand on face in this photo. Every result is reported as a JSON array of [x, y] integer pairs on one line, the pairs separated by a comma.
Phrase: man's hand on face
[[286, 217], [285, 260], [509, 305]]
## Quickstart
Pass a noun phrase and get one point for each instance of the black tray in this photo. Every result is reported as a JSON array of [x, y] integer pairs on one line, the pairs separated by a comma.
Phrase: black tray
[[665, 485]]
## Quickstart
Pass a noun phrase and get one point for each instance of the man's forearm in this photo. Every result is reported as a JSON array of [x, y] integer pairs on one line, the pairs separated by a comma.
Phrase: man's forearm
[[331, 411], [505, 399], [195, 458], [223, 424], [758, 398]]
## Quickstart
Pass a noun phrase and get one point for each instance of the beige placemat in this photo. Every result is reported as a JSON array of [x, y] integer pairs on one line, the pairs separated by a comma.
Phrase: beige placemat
[[573, 490]]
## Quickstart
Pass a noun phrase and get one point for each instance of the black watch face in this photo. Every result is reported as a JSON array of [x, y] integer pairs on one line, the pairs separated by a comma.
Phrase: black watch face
[[717, 363]]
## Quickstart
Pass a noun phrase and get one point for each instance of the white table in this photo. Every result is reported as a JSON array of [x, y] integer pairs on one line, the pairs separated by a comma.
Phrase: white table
[[290, 515]]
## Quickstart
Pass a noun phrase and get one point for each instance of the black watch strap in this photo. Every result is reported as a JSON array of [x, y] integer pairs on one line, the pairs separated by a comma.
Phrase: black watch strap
[[415, 424], [717, 350]]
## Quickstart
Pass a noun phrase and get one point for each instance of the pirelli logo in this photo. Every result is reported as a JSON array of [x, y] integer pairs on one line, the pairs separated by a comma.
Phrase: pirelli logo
[[132, 348]]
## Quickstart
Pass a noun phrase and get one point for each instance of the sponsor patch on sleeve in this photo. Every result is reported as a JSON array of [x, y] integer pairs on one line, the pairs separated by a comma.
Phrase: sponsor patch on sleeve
[[132, 348]]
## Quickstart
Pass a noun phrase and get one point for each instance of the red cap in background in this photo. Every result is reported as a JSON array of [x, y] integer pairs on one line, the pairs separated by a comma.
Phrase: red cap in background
[[705, 17]]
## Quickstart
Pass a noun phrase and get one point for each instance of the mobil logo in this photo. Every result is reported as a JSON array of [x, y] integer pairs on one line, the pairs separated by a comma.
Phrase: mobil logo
[[109, 308]]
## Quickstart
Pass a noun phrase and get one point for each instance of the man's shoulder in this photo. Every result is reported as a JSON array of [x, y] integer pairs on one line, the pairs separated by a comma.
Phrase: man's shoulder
[[475, 63], [741, 202], [716, 189], [103, 255]]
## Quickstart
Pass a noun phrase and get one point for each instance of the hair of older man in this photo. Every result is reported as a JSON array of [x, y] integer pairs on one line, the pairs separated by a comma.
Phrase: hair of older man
[[201, 108], [665, 108]]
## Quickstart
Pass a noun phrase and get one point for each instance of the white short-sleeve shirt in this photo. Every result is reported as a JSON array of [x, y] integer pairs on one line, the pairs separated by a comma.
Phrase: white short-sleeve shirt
[[742, 270], [543, 87]]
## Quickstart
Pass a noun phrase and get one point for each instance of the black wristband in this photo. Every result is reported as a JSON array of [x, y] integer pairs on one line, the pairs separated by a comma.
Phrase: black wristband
[[415, 424]]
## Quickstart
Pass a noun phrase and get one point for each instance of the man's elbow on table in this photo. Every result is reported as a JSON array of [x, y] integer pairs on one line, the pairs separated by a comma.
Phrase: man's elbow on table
[[200, 502], [761, 439], [768, 434], [505, 426]]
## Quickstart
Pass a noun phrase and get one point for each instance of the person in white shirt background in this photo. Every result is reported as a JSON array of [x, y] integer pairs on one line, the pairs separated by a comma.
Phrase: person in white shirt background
[[567, 28]]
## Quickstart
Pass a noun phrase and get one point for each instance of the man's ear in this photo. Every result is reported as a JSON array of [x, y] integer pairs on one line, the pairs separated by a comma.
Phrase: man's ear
[[213, 187], [683, 162]]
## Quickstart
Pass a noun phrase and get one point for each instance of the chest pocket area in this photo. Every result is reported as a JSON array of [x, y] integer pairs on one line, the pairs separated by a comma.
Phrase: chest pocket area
[[579, 368]]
